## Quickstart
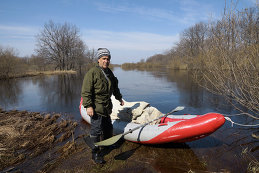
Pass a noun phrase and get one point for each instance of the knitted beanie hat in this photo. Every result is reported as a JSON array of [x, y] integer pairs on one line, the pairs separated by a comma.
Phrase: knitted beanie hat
[[103, 52]]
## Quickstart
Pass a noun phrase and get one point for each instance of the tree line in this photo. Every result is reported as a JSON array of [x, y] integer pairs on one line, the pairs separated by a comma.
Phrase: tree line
[[223, 56]]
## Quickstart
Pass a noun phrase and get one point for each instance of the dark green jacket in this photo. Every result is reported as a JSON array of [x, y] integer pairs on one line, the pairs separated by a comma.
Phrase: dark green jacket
[[97, 90]]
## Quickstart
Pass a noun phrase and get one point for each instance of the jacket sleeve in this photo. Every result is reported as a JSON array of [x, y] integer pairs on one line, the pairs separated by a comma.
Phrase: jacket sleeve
[[87, 89], [116, 91]]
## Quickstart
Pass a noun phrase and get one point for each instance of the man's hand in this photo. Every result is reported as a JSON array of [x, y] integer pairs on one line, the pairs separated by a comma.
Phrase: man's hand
[[90, 111], [122, 102]]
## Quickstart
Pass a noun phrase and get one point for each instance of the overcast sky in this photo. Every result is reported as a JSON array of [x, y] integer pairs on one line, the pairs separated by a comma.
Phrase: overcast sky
[[131, 29]]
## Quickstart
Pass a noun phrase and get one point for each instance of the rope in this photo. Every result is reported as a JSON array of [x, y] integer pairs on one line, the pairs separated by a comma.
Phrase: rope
[[246, 125], [235, 114]]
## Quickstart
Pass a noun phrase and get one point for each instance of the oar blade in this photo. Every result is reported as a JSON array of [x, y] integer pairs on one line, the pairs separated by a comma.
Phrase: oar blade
[[178, 108], [109, 141]]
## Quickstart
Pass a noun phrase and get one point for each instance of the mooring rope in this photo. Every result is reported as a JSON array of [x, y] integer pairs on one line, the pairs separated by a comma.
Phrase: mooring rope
[[246, 125]]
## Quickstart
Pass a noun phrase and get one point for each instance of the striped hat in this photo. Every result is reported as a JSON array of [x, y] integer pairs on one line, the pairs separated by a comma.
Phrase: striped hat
[[103, 52]]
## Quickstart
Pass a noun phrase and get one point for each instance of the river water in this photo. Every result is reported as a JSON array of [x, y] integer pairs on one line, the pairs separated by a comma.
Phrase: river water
[[230, 148]]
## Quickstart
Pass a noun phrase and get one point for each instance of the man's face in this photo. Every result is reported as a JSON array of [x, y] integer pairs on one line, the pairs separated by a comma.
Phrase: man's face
[[104, 62]]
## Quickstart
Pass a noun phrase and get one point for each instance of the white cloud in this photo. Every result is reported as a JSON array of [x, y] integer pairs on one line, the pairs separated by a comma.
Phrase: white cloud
[[17, 32], [21, 38], [152, 13], [129, 40], [126, 45], [187, 12], [25, 30], [194, 11]]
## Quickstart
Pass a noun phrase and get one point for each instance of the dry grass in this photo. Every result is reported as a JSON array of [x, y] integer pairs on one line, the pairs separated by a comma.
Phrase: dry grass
[[25, 135], [56, 72], [37, 73], [253, 166]]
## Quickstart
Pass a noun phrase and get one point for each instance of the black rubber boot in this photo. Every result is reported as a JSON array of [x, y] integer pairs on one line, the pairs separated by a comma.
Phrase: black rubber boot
[[96, 156]]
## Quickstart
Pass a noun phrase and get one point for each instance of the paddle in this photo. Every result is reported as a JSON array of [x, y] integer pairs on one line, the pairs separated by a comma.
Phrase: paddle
[[114, 139]]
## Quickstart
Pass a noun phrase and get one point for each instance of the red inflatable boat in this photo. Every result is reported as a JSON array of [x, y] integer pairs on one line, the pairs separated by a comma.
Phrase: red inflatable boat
[[173, 128]]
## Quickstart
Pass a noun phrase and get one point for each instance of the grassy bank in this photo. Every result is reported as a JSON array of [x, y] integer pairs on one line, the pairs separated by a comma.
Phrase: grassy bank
[[37, 73]]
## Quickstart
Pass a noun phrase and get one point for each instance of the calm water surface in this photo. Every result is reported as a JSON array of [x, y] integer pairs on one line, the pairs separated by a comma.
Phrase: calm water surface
[[228, 149]]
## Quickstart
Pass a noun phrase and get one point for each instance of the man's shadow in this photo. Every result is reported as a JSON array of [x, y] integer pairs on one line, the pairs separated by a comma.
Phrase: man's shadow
[[107, 149], [122, 156], [126, 154]]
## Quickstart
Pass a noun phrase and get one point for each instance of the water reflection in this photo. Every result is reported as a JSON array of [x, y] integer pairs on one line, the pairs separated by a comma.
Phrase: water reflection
[[166, 89], [191, 94], [9, 90], [59, 93]]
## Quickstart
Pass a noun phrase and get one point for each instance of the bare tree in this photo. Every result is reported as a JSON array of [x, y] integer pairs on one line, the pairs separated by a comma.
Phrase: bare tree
[[249, 26], [60, 44], [193, 39], [8, 62], [92, 55], [37, 63]]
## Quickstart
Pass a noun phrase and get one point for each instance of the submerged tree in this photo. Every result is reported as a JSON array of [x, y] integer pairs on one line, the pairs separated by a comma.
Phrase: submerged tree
[[61, 45]]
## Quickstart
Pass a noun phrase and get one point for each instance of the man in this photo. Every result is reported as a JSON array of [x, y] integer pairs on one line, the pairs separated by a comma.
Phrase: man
[[98, 86]]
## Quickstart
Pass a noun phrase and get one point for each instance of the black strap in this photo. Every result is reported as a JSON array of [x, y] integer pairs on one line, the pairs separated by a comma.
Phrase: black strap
[[164, 119], [104, 74]]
